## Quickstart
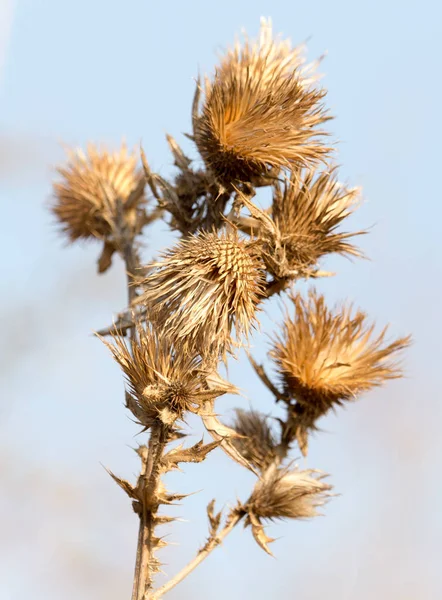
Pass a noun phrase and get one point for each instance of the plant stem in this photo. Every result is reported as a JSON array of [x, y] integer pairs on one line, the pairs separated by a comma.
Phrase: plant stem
[[131, 262], [146, 488], [150, 459], [211, 544]]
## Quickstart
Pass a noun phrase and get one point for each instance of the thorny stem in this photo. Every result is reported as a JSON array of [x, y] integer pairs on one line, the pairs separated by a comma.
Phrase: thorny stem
[[146, 487], [131, 262], [214, 540], [150, 459]]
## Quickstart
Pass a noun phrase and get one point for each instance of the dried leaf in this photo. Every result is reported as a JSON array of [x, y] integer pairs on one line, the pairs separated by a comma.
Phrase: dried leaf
[[214, 518], [105, 260], [124, 485], [163, 519], [158, 542], [259, 533], [195, 454], [222, 434]]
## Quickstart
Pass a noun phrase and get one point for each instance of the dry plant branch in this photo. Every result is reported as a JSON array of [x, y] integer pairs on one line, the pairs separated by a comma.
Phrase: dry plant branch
[[147, 487], [214, 540], [258, 122]]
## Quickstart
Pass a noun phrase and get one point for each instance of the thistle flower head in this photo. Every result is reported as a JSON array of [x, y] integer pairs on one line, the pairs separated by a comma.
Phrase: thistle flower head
[[204, 287], [256, 441], [92, 185], [260, 112], [307, 213], [325, 358], [282, 493], [164, 382]]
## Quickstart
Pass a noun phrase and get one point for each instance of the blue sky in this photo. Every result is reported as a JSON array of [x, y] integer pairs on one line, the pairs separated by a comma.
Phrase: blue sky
[[100, 70]]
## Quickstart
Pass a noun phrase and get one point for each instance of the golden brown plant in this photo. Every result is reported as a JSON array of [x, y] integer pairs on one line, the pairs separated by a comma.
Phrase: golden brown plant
[[325, 358], [260, 113], [204, 287]]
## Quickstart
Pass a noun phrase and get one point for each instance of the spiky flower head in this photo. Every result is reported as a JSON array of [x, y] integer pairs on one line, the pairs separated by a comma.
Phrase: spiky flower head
[[282, 493], [164, 382], [255, 441], [260, 112], [95, 187], [326, 357], [207, 285], [307, 212]]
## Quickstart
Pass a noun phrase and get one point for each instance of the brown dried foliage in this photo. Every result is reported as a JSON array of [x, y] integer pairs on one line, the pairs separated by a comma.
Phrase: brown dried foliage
[[260, 113]]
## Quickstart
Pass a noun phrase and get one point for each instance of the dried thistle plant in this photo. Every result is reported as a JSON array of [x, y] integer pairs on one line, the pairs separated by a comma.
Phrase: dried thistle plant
[[258, 124]]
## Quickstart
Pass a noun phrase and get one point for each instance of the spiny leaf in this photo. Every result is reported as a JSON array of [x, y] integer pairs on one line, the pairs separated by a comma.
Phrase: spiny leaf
[[163, 519], [259, 533], [195, 454], [124, 485], [214, 519], [221, 433]]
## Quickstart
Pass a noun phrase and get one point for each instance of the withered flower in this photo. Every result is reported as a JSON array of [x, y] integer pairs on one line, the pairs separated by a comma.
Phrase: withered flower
[[260, 112], [282, 493], [256, 442], [95, 186], [204, 287], [307, 213], [325, 358], [164, 382]]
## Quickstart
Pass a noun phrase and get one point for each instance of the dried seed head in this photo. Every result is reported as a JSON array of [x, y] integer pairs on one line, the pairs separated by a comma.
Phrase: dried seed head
[[206, 285], [325, 358], [260, 112], [92, 186], [307, 213], [281, 493], [257, 443], [164, 382]]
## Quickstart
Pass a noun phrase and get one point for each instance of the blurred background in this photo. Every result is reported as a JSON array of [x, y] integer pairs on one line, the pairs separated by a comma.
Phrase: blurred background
[[78, 71]]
